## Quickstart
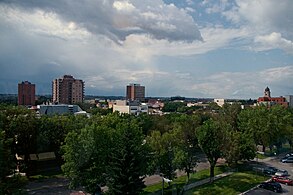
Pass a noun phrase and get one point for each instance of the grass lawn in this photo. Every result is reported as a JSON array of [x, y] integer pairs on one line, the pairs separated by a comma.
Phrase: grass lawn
[[181, 181], [47, 175], [233, 184]]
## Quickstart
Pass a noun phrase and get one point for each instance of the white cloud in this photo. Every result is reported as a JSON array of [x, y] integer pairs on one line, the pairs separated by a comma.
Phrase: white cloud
[[42, 23], [272, 41], [123, 6], [266, 19], [244, 84], [113, 19]]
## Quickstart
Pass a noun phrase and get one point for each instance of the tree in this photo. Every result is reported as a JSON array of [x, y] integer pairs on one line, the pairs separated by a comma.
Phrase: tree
[[173, 106], [6, 157], [186, 142], [212, 140], [267, 126], [110, 153], [162, 146], [23, 128], [255, 123], [128, 160], [239, 145]]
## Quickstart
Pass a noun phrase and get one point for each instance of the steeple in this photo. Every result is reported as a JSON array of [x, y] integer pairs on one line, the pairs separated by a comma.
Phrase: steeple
[[267, 92]]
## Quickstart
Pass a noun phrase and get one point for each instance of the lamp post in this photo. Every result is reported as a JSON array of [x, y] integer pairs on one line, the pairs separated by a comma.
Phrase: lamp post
[[162, 183]]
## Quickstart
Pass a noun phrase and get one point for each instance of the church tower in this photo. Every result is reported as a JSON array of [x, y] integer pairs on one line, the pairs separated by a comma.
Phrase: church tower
[[267, 92]]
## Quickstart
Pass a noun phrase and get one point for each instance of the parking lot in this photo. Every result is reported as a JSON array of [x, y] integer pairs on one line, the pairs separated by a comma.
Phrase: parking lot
[[275, 162]]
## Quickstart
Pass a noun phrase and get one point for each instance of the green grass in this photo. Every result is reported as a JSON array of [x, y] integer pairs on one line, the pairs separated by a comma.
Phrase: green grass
[[233, 184], [181, 181], [47, 175], [261, 156]]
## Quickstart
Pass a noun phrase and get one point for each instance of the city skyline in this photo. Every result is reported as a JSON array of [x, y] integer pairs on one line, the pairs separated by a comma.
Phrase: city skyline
[[219, 49]]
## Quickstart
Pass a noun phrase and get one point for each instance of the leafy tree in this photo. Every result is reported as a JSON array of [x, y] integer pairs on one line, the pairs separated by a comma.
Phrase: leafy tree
[[173, 106], [186, 142], [111, 152], [24, 131], [239, 146], [255, 122], [162, 146], [6, 157], [267, 126], [212, 140]]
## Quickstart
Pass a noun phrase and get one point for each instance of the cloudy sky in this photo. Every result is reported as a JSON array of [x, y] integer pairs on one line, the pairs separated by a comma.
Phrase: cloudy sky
[[192, 48]]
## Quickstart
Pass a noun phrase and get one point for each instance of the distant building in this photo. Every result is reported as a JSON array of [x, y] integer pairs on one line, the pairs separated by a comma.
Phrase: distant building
[[289, 99], [67, 90], [135, 92], [177, 99], [267, 100], [58, 109], [26, 93], [135, 108], [219, 102]]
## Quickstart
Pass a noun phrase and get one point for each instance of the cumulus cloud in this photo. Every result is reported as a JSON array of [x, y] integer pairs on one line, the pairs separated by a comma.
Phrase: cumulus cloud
[[274, 40], [267, 19], [109, 43], [114, 19]]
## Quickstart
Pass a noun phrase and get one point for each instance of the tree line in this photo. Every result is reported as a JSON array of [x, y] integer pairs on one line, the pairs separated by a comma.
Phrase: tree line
[[120, 150]]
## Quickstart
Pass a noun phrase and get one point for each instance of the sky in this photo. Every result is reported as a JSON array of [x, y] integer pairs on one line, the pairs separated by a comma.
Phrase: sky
[[194, 48]]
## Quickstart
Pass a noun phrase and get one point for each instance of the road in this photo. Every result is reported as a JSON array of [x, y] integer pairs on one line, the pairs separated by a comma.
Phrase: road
[[275, 162]]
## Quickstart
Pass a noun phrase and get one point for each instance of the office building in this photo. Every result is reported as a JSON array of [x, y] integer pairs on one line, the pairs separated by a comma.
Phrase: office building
[[67, 90], [135, 92], [26, 93]]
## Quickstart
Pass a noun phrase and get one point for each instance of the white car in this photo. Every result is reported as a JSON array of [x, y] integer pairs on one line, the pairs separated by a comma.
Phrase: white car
[[281, 173]]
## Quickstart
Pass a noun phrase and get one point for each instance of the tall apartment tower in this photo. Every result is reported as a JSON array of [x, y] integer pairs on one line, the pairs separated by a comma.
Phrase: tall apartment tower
[[67, 90], [135, 92], [26, 93]]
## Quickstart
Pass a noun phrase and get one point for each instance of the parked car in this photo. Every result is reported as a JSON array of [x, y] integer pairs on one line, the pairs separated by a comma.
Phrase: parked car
[[281, 173], [271, 185], [288, 159], [289, 154], [283, 180], [270, 170]]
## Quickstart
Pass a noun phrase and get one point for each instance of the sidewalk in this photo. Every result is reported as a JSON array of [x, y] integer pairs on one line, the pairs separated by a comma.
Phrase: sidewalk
[[205, 181]]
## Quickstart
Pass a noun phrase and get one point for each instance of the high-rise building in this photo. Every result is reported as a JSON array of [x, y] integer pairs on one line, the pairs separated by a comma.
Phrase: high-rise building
[[135, 92], [26, 93], [67, 90]]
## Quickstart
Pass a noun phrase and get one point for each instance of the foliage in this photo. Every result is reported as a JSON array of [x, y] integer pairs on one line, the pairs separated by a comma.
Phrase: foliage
[[212, 138], [266, 126], [128, 159], [110, 153], [162, 146], [173, 106], [6, 158], [187, 145], [13, 185]]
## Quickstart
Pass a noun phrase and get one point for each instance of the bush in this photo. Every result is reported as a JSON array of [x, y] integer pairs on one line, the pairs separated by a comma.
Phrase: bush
[[13, 185]]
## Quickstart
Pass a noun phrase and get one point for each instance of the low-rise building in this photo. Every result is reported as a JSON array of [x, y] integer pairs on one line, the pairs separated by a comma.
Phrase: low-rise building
[[269, 101], [219, 102], [135, 108], [58, 109]]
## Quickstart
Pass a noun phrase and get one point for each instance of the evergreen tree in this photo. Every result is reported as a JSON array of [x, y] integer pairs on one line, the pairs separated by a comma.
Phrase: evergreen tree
[[128, 160]]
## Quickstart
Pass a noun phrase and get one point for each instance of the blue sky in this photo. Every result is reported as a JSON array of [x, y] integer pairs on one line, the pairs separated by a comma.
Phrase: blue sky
[[192, 48]]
